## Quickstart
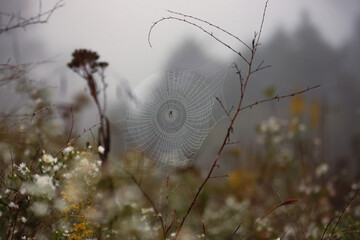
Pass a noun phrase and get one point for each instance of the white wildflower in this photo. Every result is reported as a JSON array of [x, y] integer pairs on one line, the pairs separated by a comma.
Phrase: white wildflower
[[42, 186], [67, 175], [322, 169], [45, 182], [13, 205], [263, 127], [101, 149], [40, 208], [23, 219], [27, 152], [331, 189], [68, 149], [354, 186], [277, 139], [56, 168], [147, 210], [7, 191], [260, 139], [316, 141], [302, 127], [48, 158], [23, 169], [273, 124], [290, 135]]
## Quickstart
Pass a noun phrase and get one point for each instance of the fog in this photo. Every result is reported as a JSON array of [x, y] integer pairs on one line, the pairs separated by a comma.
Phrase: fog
[[307, 42], [118, 30]]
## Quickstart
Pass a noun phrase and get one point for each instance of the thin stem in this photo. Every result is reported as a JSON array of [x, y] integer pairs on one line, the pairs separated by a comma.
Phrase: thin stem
[[148, 198]]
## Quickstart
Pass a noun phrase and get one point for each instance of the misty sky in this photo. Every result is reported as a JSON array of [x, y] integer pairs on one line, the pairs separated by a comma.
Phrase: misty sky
[[117, 29]]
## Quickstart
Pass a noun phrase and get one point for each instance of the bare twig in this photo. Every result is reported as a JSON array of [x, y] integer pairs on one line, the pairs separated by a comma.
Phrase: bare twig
[[212, 25], [236, 229], [230, 128], [197, 26], [148, 198], [307, 224], [326, 228], [41, 17], [203, 226], [244, 79], [223, 107], [72, 125], [27, 117], [75, 138], [167, 197], [277, 97], [288, 214], [238, 72], [222, 176], [343, 211], [288, 202], [233, 143], [171, 223]]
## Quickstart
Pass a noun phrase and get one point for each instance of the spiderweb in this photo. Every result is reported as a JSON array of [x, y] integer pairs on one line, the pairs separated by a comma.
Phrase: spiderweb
[[175, 116]]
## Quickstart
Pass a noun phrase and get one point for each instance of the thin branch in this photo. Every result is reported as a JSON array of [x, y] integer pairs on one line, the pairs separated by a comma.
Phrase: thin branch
[[222, 176], [238, 72], [203, 226], [223, 107], [261, 67], [229, 131], [148, 198], [75, 138], [261, 27], [28, 116], [277, 97], [212, 25], [236, 229], [307, 224], [167, 198], [40, 18], [197, 26], [285, 203], [171, 223], [343, 211], [72, 125], [233, 143], [326, 228], [287, 212]]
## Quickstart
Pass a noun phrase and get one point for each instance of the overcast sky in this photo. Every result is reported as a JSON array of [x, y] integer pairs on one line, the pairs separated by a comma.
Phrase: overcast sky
[[117, 29]]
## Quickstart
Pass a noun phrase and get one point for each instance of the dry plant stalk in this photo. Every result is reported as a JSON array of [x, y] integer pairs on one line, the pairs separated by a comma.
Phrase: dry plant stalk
[[85, 63], [244, 79], [340, 216]]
